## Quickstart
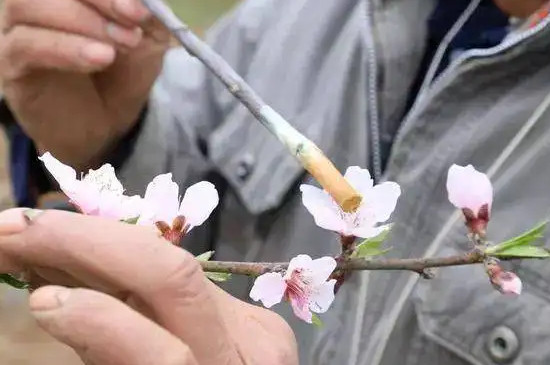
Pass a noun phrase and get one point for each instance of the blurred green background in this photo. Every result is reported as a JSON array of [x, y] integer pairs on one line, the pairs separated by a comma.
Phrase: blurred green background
[[200, 14]]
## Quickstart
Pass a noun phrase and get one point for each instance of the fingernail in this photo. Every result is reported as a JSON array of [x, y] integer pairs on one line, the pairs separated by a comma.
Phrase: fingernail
[[48, 298], [12, 221], [124, 36], [131, 9], [98, 53]]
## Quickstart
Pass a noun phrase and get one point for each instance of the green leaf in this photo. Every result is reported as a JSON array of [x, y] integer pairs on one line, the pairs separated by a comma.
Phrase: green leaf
[[218, 276], [525, 239], [524, 251], [205, 256], [316, 321], [13, 282], [371, 246], [131, 220]]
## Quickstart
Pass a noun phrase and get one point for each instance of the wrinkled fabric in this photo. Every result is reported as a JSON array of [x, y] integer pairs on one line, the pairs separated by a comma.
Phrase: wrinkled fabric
[[474, 112]]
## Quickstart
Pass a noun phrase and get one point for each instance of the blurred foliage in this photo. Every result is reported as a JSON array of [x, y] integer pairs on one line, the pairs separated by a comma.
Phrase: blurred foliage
[[200, 14]]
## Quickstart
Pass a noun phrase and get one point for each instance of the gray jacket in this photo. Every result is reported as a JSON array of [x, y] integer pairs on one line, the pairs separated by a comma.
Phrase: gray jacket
[[340, 71]]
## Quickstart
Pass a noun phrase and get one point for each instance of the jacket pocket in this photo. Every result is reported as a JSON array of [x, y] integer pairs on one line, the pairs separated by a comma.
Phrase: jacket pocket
[[256, 165], [460, 311]]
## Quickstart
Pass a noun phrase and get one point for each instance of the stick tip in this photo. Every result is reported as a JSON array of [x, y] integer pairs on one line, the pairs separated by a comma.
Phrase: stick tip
[[352, 203]]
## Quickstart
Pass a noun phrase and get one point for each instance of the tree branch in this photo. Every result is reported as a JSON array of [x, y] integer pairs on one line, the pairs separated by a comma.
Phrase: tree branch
[[309, 155], [418, 265]]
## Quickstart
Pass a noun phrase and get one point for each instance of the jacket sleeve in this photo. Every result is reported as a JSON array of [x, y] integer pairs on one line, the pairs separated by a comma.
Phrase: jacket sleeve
[[187, 102]]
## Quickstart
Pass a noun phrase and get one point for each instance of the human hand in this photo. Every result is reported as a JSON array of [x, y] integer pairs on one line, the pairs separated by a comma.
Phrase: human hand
[[77, 73], [148, 302]]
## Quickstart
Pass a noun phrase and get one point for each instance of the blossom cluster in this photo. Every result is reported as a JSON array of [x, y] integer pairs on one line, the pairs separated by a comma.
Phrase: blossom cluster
[[100, 193], [307, 284]]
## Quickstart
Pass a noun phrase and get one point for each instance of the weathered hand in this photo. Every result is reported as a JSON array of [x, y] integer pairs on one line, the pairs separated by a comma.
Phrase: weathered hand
[[77, 73], [148, 302]]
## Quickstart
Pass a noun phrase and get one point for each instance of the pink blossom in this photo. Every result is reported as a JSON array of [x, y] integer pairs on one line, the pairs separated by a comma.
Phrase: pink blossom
[[505, 282], [376, 207], [98, 193], [510, 283], [305, 285], [471, 191], [162, 207]]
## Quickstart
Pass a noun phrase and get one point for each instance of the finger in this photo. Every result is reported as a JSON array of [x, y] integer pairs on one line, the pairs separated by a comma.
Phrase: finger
[[69, 16], [168, 279], [130, 11], [11, 224], [26, 48], [103, 330]]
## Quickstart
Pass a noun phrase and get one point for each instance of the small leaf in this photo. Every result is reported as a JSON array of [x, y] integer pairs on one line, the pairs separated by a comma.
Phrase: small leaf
[[13, 282], [205, 256], [316, 321], [523, 251], [131, 220], [218, 276], [525, 239], [371, 246]]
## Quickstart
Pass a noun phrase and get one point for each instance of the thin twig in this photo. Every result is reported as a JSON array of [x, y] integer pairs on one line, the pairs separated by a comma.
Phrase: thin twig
[[416, 265], [309, 155]]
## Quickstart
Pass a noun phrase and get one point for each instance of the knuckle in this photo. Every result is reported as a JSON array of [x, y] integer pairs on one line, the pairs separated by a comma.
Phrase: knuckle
[[184, 280], [13, 10], [13, 53]]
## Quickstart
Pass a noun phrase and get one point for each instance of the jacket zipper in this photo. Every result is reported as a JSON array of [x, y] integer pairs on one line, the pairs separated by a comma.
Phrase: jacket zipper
[[372, 105], [372, 90]]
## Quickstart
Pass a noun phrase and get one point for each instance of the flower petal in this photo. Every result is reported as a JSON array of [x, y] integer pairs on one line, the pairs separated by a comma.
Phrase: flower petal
[[381, 200], [129, 207], [323, 297], [469, 188], [85, 196], [104, 180], [268, 288], [510, 283], [359, 178], [320, 269], [300, 308], [322, 207], [198, 203], [63, 174], [161, 201], [299, 262], [368, 231]]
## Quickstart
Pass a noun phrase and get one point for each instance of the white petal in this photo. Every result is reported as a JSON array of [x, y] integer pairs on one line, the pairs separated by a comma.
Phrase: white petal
[[301, 309], [198, 203], [86, 197], [299, 262], [269, 289], [63, 174], [321, 269], [359, 178], [104, 180], [323, 297], [321, 206], [161, 201], [510, 283], [369, 232], [469, 188], [381, 200], [130, 207]]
